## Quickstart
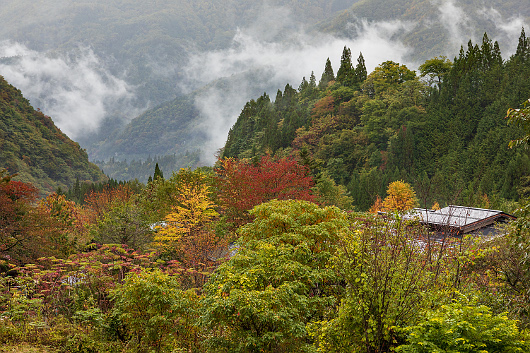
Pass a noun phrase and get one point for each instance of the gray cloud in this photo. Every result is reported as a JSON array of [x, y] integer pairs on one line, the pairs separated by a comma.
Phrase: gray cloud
[[75, 89], [457, 23], [278, 63], [508, 29]]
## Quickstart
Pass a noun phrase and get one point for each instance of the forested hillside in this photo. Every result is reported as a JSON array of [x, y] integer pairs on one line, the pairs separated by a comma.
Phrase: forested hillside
[[442, 130], [146, 55], [32, 146]]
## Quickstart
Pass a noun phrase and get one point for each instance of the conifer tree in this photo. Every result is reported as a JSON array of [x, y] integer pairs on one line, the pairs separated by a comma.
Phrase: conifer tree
[[497, 53], [327, 75], [278, 102], [303, 86], [523, 48], [312, 80], [346, 74], [360, 70], [158, 173]]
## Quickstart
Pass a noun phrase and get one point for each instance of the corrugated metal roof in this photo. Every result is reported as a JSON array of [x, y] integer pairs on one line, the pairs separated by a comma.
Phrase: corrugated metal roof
[[465, 219]]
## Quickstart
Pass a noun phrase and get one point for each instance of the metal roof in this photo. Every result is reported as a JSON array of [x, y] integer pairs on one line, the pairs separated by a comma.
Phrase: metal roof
[[462, 219]]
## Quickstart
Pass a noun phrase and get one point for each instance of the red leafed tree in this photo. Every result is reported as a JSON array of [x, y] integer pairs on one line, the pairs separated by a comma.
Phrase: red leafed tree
[[16, 200], [243, 185]]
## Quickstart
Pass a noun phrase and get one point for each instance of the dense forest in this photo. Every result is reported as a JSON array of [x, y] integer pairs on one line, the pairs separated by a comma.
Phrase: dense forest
[[271, 249], [32, 146], [141, 170], [443, 130]]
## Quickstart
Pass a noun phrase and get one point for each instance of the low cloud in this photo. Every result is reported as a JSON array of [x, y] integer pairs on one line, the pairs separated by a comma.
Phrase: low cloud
[[508, 29], [457, 23], [269, 65], [74, 89]]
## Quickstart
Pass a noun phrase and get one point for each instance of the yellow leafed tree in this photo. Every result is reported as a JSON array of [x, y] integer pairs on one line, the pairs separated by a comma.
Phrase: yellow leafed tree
[[193, 211], [401, 197]]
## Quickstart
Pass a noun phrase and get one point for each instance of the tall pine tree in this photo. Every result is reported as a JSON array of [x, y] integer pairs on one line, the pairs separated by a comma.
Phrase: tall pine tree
[[360, 70], [346, 73], [158, 173], [327, 75]]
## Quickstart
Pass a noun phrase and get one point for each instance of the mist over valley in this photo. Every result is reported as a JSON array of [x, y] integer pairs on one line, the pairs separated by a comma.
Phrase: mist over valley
[[130, 80]]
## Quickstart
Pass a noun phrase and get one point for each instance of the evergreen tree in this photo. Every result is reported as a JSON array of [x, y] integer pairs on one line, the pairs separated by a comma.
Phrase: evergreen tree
[[327, 75], [346, 74], [312, 81], [497, 53], [304, 85], [311, 87], [158, 173], [360, 70], [523, 48]]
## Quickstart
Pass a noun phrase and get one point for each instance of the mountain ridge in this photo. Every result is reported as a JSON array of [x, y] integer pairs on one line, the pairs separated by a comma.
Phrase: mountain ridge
[[35, 149]]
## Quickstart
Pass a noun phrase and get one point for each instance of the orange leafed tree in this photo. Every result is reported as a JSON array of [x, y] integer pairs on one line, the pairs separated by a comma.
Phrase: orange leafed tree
[[99, 203], [377, 206], [66, 221], [16, 200]]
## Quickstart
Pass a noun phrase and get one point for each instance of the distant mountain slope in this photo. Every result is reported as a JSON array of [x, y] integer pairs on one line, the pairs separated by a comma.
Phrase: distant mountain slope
[[151, 40], [438, 27], [147, 44], [163, 130], [32, 146]]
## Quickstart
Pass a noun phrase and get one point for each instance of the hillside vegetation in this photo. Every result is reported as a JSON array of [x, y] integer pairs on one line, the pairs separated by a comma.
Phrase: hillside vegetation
[[444, 133], [248, 258], [148, 45], [32, 146]]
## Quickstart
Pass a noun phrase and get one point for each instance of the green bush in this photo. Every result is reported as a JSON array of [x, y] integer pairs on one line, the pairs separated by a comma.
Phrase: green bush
[[464, 327], [158, 315]]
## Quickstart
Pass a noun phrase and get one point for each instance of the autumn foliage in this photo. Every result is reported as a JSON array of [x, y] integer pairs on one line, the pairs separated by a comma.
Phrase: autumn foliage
[[243, 185], [15, 205], [401, 197], [98, 203], [186, 234]]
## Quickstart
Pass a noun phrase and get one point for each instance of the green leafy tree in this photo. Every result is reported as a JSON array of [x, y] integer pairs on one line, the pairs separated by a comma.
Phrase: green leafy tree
[[279, 280], [464, 327], [124, 223], [389, 278], [435, 69], [158, 315], [328, 193]]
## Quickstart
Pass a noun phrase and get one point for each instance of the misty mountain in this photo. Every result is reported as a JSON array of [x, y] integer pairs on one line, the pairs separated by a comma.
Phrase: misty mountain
[[32, 146], [438, 27], [133, 79], [146, 43], [448, 139]]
